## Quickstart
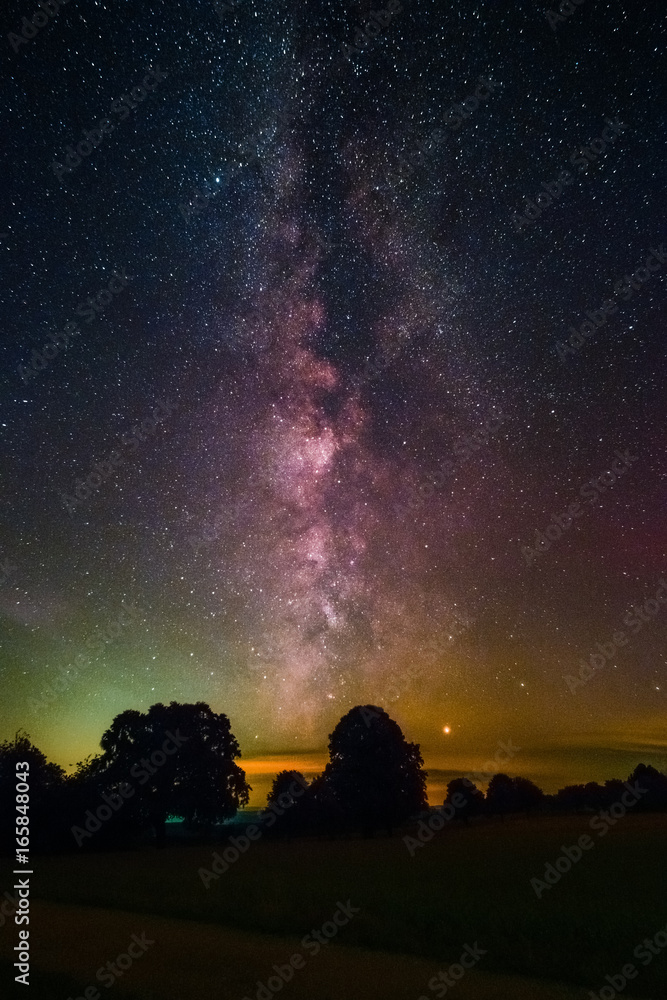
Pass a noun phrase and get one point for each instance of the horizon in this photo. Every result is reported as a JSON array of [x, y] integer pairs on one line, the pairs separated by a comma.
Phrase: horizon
[[551, 767]]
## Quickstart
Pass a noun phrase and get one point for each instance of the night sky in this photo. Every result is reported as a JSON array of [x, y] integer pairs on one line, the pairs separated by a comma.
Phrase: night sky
[[314, 274]]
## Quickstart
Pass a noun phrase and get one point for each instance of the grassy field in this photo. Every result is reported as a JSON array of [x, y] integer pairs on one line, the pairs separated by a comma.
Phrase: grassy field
[[416, 915]]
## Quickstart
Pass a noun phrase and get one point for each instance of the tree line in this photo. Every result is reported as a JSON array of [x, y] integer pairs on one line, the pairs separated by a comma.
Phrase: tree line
[[179, 761]]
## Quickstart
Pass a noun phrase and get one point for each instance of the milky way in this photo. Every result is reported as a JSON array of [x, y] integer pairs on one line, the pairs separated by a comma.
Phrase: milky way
[[333, 560], [373, 418]]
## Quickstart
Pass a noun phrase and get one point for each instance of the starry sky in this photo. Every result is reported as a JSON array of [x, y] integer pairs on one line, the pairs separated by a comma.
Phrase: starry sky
[[293, 372]]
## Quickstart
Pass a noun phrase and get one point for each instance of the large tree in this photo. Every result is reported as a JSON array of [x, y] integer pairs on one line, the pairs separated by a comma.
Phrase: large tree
[[374, 774], [180, 761]]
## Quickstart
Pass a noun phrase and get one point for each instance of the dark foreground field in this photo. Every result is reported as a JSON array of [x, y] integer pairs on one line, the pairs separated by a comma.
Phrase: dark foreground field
[[466, 886]]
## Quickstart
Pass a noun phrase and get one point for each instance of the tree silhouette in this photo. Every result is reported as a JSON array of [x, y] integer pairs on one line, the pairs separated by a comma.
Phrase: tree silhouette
[[283, 791], [655, 783], [594, 796], [178, 759], [374, 775], [474, 799], [287, 802], [613, 790], [44, 775], [46, 781], [527, 796], [500, 795], [323, 811], [578, 798], [570, 798], [509, 795]]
